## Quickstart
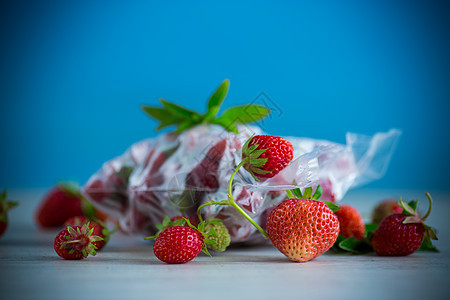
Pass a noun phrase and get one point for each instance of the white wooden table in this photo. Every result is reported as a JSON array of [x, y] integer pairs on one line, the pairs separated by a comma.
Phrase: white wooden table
[[127, 268]]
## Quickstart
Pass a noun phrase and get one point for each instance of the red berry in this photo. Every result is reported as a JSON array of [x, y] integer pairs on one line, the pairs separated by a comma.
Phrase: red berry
[[75, 242], [178, 244], [279, 152], [62, 202], [99, 229], [302, 229], [402, 234], [350, 222], [57, 206], [393, 238]]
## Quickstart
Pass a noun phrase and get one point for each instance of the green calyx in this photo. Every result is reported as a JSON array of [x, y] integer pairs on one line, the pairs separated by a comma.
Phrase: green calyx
[[210, 231], [252, 161], [309, 195], [81, 240], [5, 206], [171, 114], [409, 209]]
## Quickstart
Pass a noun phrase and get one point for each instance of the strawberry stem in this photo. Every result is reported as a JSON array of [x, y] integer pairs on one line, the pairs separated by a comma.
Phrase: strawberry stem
[[430, 201], [232, 202]]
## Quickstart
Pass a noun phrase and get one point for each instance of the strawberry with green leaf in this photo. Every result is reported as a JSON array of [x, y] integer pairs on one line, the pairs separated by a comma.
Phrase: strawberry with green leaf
[[403, 234], [179, 241], [171, 114], [301, 227]]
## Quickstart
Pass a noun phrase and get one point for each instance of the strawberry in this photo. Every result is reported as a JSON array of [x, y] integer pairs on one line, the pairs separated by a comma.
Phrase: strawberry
[[302, 229], [351, 223], [264, 156], [76, 242], [403, 234], [100, 229], [178, 244], [385, 208], [220, 235], [5, 206], [62, 202]]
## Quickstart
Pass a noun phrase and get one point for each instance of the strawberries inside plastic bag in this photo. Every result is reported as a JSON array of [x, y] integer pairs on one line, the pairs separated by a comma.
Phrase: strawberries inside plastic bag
[[173, 174]]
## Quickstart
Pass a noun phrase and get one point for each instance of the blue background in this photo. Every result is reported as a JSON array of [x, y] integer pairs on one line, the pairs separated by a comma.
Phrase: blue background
[[74, 75]]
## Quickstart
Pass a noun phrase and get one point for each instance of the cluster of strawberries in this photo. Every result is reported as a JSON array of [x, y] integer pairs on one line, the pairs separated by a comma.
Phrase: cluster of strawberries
[[302, 227], [84, 231]]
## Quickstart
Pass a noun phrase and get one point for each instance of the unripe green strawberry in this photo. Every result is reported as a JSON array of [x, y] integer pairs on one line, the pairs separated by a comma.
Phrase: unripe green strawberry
[[220, 236]]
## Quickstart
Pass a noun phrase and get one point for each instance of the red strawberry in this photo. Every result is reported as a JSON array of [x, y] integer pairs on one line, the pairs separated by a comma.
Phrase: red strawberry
[[76, 242], [4, 207], [178, 244], [100, 229], [62, 202], [402, 234], [385, 208], [302, 229], [264, 156], [351, 223]]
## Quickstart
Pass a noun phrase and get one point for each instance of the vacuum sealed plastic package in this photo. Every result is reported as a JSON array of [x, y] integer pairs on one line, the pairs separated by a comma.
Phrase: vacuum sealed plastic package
[[173, 174]]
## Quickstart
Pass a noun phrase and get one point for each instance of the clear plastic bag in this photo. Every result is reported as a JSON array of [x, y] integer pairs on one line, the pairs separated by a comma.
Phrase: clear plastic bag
[[173, 174]]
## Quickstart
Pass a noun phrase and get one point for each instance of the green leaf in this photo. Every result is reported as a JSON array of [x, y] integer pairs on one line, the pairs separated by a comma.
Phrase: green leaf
[[258, 162], [307, 193], [297, 193], [210, 242], [185, 125], [259, 171], [332, 206], [225, 123], [164, 117], [290, 194], [246, 113], [216, 99], [256, 153], [317, 193], [178, 110], [355, 246], [408, 210], [413, 204]]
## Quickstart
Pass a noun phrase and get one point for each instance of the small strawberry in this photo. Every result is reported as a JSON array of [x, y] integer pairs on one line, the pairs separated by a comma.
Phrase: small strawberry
[[303, 229], [351, 223], [264, 156], [403, 234], [76, 242], [178, 244], [219, 235], [5, 206], [100, 229], [385, 208], [62, 202]]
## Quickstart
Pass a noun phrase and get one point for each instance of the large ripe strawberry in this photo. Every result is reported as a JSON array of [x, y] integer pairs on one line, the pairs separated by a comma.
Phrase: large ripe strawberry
[[62, 202], [100, 229], [351, 223], [178, 244], [385, 208], [76, 242], [264, 156], [5, 206], [302, 229], [402, 234]]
